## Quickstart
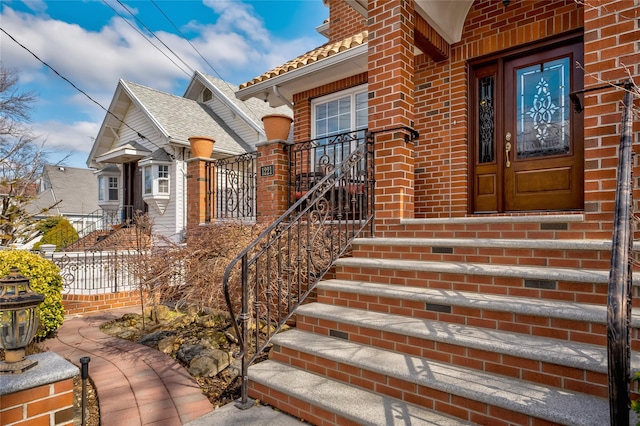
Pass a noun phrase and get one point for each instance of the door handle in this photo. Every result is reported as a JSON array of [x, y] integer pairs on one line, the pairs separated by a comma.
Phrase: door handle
[[507, 150]]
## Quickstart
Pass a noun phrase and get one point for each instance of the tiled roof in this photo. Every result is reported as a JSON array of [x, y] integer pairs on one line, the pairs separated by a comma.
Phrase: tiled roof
[[312, 56]]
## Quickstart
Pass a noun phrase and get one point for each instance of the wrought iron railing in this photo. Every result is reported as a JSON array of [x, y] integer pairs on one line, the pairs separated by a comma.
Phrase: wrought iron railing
[[99, 220], [620, 277], [309, 160], [267, 281], [231, 188]]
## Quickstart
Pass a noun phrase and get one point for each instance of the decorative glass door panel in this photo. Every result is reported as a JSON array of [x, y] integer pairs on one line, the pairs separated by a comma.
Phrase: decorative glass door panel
[[543, 109], [527, 139]]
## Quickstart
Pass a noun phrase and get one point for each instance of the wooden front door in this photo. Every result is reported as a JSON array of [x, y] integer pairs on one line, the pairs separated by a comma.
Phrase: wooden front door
[[527, 138], [133, 202]]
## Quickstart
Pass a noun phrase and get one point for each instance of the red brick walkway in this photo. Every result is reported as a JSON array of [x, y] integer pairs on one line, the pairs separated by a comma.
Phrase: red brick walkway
[[136, 385]]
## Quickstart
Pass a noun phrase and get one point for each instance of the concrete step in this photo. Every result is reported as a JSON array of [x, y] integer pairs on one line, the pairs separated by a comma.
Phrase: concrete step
[[480, 390], [582, 356], [565, 310], [593, 276], [340, 403]]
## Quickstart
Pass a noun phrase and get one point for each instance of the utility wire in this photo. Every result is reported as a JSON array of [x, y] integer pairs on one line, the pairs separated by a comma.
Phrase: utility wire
[[147, 39], [199, 54], [154, 35], [140, 135]]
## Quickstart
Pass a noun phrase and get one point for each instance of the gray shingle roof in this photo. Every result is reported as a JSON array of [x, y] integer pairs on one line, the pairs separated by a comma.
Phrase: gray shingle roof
[[76, 189], [181, 118], [254, 108]]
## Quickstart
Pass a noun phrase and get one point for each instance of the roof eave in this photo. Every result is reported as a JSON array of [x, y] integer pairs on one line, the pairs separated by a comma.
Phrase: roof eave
[[348, 62]]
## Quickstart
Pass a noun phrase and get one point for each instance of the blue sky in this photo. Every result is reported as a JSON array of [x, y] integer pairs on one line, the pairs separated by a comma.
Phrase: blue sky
[[91, 45]]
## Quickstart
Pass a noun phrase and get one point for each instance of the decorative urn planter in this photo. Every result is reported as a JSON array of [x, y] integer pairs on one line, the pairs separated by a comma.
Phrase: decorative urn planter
[[201, 146], [277, 126]]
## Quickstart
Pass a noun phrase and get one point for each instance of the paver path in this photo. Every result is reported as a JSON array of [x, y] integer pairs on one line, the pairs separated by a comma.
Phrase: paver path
[[136, 385]]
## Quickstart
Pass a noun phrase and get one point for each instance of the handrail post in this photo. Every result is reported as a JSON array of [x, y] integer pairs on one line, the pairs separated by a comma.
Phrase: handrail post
[[620, 279], [244, 402]]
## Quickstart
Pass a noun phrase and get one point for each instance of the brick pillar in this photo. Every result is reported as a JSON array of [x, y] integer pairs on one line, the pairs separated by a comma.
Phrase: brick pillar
[[197, 181], [42, 395], [611, 44], [273, 180], [391, 70]]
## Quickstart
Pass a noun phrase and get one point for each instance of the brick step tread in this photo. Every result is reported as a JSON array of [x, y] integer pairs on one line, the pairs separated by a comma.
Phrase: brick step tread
[[559, 406], [578, 355], [358, 405], [592, 276], [494, 302], [501, 243], [468, 220]]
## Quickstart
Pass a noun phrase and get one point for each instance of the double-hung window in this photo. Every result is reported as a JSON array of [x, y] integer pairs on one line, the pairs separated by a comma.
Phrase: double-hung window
[[155, 180], [107, 188], [336, 114]]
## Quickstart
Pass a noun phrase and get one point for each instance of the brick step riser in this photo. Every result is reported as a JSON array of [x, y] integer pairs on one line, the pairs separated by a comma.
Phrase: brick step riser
[[585, 259], [296, 407], [507, 229], [595, 293], [544, 373], [534, 325], [443, 402]]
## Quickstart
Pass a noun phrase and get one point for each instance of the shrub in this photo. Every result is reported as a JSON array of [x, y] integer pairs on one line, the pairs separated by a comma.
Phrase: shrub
[[45, 279], [62, 234]]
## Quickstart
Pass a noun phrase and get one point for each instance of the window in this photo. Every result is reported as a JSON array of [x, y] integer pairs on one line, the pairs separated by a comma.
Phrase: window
[[155, 180], [107, 188], [335, 114]]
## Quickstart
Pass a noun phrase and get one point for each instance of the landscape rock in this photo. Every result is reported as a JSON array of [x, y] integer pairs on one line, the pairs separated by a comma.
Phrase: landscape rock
[[169, 345], [152, 339], [188, 352], [210, 363]]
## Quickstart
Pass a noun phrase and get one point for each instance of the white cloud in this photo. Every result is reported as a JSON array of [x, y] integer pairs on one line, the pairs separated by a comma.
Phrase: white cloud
[[237, 44]]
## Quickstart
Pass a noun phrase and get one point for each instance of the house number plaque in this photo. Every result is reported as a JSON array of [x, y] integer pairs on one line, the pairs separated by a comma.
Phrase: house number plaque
[[267, 170]]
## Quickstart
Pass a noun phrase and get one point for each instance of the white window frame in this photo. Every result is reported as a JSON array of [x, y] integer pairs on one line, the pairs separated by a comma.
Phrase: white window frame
[[108, 186], [352, 93], [156, 170]]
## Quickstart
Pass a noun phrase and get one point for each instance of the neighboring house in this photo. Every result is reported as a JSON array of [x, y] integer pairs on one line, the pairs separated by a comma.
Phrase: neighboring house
[[484, 294], [71, 191], [142, 147]]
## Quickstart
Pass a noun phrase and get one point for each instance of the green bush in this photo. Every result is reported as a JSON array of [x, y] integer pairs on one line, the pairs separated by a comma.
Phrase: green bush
[[61, 234], [45, 225], [44, 278]]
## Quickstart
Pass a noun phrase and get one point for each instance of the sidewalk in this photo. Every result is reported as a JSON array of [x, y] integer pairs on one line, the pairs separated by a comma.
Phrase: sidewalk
[[137, 385]]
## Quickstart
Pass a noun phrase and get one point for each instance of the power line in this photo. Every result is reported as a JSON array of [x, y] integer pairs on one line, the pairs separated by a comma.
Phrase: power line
[[140, 135], [199, 54], [147, 39]]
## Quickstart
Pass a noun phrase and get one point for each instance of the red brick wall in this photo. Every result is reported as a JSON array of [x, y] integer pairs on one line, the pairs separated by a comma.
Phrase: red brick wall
[[611, 45], [441, 186], [272, 196], [196, 193], [76, 304], [50, 404], [344, 21], [391, 104]]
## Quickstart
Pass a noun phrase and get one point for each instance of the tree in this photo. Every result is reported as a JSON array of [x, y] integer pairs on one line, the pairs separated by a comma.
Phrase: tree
[[21, 159]]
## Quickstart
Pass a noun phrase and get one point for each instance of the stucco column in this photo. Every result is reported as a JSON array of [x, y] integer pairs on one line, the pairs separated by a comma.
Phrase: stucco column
[[391, 105]]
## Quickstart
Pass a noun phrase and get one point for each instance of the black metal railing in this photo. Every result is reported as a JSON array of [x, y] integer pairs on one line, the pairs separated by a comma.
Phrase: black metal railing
[[231, 188], [310, 160], [96, 224], [268, 280], [620, 276]]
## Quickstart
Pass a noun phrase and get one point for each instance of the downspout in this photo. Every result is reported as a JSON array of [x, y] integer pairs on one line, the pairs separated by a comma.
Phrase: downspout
[[282, 98]]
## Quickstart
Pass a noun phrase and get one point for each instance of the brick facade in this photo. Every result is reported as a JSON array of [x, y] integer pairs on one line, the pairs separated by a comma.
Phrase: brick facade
[[50, 404], [196, 193], [344, 21], [272, 191], [79, 304], [611, 48]]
